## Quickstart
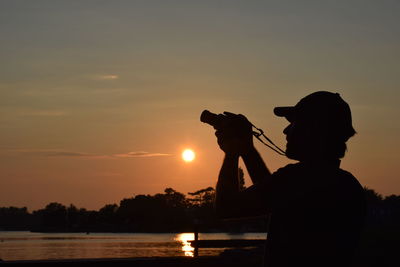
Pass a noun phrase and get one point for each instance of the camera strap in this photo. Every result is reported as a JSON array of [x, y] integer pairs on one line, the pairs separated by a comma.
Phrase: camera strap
[[258, 133]]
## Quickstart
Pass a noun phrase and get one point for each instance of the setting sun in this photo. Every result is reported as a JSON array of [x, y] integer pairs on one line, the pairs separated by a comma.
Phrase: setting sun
[[188, 155]]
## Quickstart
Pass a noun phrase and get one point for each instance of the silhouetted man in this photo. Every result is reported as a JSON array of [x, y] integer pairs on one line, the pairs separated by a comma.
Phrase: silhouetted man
[[317, 209]]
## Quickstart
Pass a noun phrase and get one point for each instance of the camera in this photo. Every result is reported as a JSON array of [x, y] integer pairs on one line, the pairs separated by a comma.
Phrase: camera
[[226, 120], [238, 125], [215, 120]]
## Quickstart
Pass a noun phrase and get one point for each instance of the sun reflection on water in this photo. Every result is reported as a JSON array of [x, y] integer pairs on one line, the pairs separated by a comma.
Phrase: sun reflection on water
[[183, 238]]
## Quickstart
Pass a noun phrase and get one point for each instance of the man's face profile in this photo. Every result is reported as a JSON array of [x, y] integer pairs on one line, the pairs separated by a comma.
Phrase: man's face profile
[[301, 139], [320, 125]]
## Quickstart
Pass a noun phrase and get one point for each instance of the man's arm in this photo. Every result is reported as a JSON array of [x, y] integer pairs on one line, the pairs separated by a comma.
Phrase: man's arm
[[255, 166], [227, 189], [230, 201]]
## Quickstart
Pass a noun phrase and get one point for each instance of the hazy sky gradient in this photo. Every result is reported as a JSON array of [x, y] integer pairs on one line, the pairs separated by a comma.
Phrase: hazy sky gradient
[[99, 98]]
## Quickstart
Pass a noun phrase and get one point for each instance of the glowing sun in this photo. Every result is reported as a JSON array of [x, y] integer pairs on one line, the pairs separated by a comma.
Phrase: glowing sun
[[188, 155]]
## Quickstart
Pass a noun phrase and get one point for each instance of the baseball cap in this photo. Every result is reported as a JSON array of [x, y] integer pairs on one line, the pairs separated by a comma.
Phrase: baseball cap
[[327, 108]]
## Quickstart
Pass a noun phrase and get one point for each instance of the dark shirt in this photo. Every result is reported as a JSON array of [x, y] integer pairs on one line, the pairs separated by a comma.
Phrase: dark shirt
[[317, 213]]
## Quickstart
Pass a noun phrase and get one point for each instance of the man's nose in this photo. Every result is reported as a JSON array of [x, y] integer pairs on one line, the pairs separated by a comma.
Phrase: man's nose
[[286, 130]]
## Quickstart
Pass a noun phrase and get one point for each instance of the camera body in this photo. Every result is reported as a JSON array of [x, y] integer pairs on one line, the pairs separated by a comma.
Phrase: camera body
[[237, 126], [225, 121], [215, 120]]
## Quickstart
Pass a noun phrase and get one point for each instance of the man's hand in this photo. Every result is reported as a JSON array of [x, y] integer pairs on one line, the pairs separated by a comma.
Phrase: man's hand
[[236, 136]]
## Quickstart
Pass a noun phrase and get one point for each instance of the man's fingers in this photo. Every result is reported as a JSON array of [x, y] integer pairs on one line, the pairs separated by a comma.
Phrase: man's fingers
[[230, 114]]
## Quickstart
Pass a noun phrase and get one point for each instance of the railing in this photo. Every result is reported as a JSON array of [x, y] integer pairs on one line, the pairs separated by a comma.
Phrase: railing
[[225, 243]]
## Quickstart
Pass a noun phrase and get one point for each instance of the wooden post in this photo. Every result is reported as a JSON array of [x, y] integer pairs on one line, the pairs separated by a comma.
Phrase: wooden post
[[196, 238]]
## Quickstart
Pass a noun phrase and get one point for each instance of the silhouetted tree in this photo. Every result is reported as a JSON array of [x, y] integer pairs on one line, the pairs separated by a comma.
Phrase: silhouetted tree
[[174, 199], [13, 218], [107, 214], [202, 207], [149, 212], [72, 217], [372, 198], [202, 197], [53, 217], [374, 203], [166, 212], [391, 206], [241, 179]]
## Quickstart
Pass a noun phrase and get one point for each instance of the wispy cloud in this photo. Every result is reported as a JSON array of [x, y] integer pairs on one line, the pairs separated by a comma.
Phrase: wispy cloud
[[108, 174], [140, 154], [72, 154], [106, 77], [43, 113], [52, 153]]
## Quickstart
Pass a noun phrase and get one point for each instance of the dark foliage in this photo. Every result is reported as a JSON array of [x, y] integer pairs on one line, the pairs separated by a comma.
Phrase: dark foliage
[[13, 218], [171, 211]]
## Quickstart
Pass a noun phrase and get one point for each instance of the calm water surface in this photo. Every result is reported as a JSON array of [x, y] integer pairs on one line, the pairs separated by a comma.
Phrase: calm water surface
[[29, 246]]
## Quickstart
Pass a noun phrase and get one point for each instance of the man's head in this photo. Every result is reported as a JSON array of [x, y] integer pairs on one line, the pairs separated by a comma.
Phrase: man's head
[[320, 125]]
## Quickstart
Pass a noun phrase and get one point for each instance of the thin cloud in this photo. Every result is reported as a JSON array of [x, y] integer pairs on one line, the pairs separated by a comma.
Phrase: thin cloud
[[108, 174], [44, 113], [140, 154], [107, 77], [31, 112], [52, 153], [72, 154]]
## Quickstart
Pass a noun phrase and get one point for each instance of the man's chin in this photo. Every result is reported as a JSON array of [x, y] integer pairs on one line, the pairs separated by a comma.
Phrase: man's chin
[[291, 154], [293, 157]]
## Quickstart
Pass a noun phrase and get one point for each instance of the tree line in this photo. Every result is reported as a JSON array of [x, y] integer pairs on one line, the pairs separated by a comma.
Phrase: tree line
[[165, 212], [170, 211]]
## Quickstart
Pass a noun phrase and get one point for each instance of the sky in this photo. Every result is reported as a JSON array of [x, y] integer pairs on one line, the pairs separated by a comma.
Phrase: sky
[[99, 98]]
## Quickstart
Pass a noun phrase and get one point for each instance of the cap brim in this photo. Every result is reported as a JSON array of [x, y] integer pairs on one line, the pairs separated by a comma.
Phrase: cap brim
[[286, 112]]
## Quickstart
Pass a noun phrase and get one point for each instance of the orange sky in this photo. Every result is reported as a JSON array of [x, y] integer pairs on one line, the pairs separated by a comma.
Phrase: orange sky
[[97, 101]]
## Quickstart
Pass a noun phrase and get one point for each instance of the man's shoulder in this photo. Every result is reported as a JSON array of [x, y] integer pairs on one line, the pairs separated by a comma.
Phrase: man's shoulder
[[349, 179], [329, 175], [299, 167], [288, 169]]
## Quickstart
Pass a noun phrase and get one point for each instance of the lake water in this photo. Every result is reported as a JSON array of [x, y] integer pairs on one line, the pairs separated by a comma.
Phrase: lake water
[[35, 246]]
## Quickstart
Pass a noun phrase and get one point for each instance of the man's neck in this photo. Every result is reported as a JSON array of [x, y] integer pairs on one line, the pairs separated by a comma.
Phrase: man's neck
[[322, 162]]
